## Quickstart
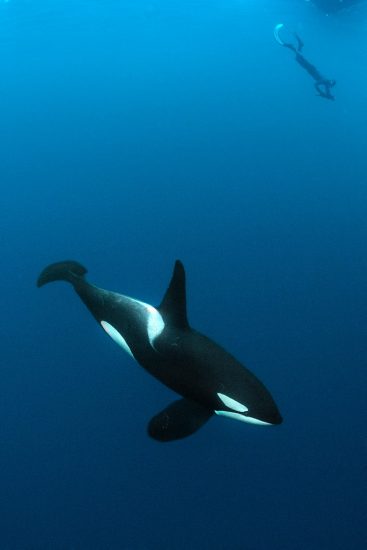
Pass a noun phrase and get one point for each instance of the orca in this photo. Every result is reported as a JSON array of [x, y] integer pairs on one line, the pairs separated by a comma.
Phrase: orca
[[208, 379]]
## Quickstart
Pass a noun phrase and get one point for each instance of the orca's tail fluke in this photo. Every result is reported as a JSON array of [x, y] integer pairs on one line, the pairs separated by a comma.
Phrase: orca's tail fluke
[[69, 271]]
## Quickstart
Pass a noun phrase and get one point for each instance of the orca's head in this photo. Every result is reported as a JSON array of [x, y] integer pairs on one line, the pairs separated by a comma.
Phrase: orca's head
[[262, 412]]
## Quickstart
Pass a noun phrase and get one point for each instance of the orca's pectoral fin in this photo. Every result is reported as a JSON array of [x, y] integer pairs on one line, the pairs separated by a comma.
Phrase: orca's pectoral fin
[[178, 420]]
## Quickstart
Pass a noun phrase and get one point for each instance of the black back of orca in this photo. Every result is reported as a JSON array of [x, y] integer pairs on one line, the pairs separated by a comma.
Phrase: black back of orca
[[207, 377]]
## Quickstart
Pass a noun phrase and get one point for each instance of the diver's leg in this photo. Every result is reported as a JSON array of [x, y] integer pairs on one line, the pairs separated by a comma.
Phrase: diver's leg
[[300, 44], [290, 46]]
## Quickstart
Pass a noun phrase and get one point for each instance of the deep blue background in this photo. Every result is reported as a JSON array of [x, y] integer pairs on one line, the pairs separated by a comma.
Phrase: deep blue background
[[137, 132]]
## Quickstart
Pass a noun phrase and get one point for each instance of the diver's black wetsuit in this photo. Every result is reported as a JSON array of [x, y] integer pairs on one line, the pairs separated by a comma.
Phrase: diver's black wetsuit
[[322, 84]]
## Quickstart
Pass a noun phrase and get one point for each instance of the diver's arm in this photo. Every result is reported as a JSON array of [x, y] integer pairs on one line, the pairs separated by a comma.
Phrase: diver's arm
[[324, 93], [318, 89]]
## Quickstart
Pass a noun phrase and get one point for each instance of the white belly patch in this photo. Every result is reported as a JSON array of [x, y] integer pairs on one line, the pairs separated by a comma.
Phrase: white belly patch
[[116, 337], [152, 318]]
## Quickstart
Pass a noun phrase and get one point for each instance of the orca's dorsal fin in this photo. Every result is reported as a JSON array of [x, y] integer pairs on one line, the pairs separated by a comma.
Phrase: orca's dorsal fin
[[173, 305]]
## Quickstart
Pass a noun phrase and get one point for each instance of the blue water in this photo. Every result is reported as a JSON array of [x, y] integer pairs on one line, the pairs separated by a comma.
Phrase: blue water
[[137, 132]]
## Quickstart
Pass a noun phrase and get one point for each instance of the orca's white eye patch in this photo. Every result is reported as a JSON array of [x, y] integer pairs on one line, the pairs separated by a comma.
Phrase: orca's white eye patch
[[232, 403], [116, 337]]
